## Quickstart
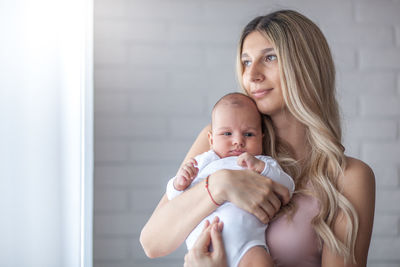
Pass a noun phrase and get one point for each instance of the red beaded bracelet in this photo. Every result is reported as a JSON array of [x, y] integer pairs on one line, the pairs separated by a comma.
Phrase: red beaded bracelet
[[208, 190]]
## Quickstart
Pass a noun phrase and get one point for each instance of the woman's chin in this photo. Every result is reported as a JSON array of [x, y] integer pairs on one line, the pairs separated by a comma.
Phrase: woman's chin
[[265, 108]]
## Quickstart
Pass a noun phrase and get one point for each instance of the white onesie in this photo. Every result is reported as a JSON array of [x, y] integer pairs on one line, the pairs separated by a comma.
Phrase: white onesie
[[242, 230]]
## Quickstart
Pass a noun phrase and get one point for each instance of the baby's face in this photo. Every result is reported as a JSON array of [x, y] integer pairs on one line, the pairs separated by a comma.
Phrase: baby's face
[[236, 130]]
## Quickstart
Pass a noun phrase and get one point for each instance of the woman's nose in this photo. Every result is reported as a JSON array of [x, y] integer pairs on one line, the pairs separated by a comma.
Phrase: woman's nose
[[255, 73]]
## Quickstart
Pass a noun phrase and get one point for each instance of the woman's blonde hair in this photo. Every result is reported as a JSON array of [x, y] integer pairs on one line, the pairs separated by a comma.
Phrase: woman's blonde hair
[[307, 76]]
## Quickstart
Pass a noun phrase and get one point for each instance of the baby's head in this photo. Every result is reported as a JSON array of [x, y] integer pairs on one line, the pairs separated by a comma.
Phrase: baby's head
[[236, 126]]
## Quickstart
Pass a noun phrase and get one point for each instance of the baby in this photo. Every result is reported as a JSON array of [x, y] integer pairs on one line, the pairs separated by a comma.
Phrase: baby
[[236, 143]]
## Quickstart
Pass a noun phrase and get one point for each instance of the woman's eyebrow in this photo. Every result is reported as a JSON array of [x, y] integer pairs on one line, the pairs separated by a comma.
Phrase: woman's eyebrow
[[264, 51], [244, 55]]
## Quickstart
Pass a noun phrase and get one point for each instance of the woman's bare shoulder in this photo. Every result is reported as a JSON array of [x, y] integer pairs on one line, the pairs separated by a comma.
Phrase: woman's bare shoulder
[[357, 184], [357, 169], [357, 176]]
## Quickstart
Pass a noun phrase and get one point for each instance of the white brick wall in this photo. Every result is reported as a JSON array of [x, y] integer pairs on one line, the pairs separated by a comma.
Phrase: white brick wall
[[160, 65]]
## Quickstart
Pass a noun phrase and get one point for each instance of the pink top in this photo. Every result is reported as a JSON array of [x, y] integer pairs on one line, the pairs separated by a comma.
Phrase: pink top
[[295, 243]]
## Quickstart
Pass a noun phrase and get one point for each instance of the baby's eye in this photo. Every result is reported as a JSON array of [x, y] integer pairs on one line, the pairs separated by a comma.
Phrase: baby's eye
[[248, 134], [227, 133]]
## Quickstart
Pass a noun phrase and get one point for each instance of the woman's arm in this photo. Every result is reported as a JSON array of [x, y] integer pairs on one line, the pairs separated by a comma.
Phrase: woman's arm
[[173, 220], [358, 184]]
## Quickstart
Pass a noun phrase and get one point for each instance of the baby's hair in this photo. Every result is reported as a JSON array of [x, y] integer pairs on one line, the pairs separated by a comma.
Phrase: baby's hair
[[234, 99]]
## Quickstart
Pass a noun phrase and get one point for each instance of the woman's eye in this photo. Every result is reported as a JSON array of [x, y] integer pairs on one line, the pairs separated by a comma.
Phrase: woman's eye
[[246, 63], [271, 58]]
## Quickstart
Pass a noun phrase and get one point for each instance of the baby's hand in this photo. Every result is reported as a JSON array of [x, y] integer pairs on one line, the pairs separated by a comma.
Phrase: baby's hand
[[185, 175], [246, 160]]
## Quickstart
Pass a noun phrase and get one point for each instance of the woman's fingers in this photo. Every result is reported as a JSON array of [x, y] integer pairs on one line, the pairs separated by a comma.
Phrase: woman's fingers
[[271, 204], [267, 200], [215, 220], [276, 202], [282, 191], [206, 224], [271, 201], [260, 213], [204, 240], [199, 256], [256, 194], [217, 242]]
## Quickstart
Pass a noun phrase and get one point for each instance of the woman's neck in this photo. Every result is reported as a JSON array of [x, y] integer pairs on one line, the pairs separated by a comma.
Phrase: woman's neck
[[293, 132]]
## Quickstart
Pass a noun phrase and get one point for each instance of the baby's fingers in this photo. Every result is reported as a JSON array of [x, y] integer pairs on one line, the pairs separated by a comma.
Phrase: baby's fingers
[[181, 183], [185, 174], [188, 172], [193, 162], [241, 162], [195, 172]]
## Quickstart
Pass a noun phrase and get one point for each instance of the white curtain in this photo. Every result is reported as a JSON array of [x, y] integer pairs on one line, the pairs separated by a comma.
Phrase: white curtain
[[46, 139]]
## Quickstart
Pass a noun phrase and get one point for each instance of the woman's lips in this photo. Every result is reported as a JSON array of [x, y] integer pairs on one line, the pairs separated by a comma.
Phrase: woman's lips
[[261, 92]]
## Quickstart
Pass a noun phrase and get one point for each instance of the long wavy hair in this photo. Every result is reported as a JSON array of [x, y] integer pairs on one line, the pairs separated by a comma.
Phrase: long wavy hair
[[307, 76]]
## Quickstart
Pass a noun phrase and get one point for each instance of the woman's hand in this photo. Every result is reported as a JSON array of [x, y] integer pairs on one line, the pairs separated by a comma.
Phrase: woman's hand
[[250, 191], [200, 256]]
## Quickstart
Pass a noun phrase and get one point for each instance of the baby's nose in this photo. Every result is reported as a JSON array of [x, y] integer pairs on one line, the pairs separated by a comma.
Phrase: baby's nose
[[238, 140]]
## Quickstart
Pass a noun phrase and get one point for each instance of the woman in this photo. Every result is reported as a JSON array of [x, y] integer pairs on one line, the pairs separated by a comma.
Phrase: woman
[[285, 65]]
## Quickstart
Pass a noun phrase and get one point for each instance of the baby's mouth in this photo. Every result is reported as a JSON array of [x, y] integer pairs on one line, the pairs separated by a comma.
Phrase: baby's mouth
[[236, 152]]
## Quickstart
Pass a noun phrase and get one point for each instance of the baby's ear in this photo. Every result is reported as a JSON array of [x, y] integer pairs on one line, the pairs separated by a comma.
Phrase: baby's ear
[[210, 139]]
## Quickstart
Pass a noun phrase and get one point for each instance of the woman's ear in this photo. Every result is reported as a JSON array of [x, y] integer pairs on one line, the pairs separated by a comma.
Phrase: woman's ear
[[210, 139]]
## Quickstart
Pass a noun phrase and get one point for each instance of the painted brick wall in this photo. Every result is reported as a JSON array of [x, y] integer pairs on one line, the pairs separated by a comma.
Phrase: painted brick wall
[[161, 64]]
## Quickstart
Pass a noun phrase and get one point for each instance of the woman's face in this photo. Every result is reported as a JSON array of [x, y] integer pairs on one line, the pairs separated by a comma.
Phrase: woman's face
[[261, 74]]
